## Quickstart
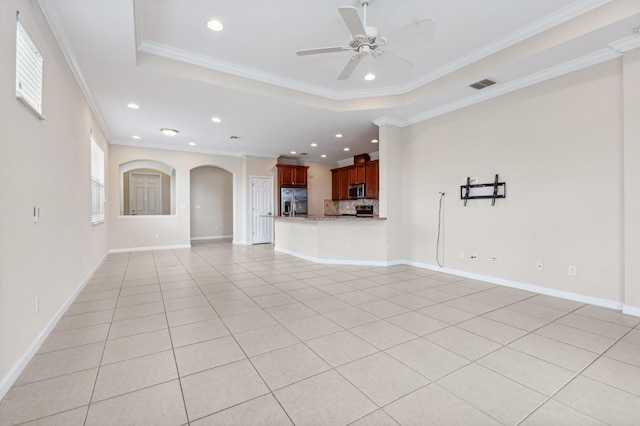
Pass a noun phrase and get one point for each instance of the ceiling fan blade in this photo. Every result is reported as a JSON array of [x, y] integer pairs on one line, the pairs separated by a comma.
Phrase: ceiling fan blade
[[417, 29], [397, 60], [322, 50], [351, 65], [352, 19]]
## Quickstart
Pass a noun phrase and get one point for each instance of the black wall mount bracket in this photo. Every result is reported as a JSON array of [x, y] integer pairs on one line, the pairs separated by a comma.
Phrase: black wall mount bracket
[[483, 191]]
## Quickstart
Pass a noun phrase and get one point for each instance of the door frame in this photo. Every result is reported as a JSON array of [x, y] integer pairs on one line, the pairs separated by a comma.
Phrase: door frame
[[252, 203]]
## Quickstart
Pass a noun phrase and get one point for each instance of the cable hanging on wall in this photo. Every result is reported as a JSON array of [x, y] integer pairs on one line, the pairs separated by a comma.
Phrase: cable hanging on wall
[[440, 231]]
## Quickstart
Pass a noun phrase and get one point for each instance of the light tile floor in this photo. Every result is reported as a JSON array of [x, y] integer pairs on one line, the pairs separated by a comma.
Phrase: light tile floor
[[236, 335]]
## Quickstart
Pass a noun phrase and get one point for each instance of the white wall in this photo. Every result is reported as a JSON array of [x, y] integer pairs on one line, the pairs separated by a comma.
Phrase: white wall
[[631, 78], [318, 187], [211, 202], [135, 232], [558, 146], [45, 164]]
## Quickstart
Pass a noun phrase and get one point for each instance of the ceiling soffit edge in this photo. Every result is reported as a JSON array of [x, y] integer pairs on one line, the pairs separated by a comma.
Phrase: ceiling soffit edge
[[499, 90], [182, 149], [54, 20], [563, 15]]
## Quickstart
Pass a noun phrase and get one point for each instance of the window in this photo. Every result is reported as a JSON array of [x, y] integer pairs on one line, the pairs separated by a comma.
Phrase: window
[[28, 72], [97, 182]]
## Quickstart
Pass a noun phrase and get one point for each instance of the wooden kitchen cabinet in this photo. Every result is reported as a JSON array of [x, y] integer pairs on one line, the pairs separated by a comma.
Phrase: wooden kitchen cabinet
[[289, 175], [356, 174], [335, 184], [367, 173], [372, 179]]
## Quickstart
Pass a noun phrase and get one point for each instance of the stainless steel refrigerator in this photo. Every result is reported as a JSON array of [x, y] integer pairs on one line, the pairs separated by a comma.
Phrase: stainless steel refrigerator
[[293, 201]]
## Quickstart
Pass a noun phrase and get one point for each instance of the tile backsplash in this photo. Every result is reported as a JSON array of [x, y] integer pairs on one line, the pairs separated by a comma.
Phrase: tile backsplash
[[332, 207]]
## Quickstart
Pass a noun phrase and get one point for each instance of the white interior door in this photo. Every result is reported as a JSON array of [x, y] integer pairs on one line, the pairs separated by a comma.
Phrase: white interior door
[[262, 209], [145, 194]]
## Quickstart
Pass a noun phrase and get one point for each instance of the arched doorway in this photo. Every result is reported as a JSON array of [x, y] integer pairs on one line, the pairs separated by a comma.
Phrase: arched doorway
[[211, 194]]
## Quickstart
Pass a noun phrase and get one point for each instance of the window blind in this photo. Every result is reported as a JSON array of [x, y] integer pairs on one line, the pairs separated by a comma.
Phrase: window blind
[[29, 66], [97, 182]]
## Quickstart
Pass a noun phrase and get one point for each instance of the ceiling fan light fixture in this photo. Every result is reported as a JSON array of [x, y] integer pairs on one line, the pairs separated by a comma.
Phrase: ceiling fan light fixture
[[346, 149], [339, 135], [215, 25], [169, 132], [314, 144], [370, 77], [324, 156]]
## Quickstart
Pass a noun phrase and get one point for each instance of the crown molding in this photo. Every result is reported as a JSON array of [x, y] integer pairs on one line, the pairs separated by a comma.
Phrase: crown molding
[[54, 20], [626, 44], [502, 89], [561, 16]]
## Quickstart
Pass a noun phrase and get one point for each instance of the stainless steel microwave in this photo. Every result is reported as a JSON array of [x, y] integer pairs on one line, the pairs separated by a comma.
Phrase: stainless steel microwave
[[357, 191]]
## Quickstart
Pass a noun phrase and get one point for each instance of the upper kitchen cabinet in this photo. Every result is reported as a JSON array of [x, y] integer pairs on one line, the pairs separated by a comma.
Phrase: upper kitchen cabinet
[[357, 174], [289, 175], [367, 173]]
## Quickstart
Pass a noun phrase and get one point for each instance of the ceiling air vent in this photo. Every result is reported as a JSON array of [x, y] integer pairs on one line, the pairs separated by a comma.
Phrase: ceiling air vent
[[483, 83]]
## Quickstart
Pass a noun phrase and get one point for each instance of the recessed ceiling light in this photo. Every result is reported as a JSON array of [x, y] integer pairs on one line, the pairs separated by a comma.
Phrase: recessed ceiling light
[[192, 143], [169, 132], [374, 141], [216, 120], [324, 156], [339, 135], [135, 137], [215, 25], [370, 77], [314, 144], [346, 149], [133, 106], [293, 152]]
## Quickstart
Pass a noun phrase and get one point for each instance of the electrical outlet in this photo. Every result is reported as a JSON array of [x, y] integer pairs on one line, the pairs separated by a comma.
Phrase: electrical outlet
[[539, 266], [573, 271], [461, 254], [494, 258]]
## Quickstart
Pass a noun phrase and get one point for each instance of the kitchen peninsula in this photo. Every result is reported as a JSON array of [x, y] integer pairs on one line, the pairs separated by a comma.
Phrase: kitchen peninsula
[[333, 239]]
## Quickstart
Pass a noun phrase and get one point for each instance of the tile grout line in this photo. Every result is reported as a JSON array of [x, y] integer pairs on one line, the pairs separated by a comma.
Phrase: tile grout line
[[576, 376], [106, 340], [271, 392], [173, 351]]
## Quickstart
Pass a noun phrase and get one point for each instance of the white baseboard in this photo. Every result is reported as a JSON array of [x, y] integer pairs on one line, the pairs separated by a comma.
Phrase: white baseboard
[[631, 310], [17, 369], [173, 247], [217, 237], [605, 303]]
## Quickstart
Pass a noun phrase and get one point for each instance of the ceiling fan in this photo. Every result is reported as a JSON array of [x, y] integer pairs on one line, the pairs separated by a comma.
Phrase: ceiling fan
[[367, 40]]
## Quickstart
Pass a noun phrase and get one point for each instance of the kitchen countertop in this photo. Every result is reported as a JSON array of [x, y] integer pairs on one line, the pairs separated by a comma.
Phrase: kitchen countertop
[[330, 218]]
